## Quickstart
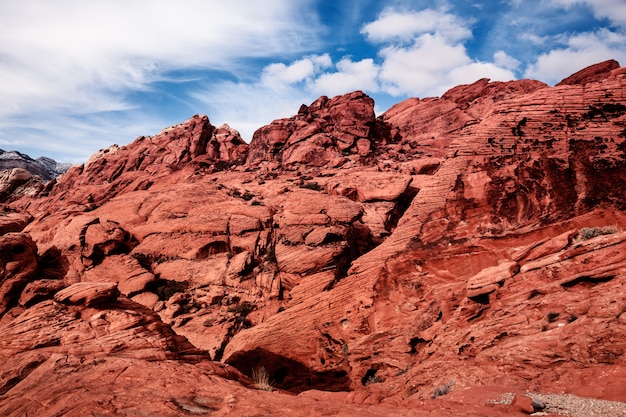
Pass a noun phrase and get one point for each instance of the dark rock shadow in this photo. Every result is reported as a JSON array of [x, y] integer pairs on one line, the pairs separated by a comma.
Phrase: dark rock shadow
[[288, 374], [52, 264]]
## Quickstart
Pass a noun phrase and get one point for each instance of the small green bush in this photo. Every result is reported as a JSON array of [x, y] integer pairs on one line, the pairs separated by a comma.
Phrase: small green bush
[[247, 196], [443, 389], [591, 232], [165, 288]]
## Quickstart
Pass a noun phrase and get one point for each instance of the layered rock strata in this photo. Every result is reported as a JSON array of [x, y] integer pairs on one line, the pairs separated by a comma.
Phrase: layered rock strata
[[473, 240]]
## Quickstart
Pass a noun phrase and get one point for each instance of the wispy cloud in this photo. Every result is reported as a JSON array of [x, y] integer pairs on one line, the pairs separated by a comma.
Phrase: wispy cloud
[[78, 58]]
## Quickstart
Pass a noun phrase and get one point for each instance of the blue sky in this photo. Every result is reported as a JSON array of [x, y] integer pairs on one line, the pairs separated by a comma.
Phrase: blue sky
[[77, 76]]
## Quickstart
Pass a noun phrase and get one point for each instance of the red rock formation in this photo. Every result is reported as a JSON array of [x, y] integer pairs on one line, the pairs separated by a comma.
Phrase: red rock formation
[[18, 182], [328, 132], [592, 73], [368, 264]]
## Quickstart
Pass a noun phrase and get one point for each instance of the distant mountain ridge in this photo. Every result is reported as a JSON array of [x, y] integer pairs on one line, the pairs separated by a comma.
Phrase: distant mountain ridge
[[44, 167]]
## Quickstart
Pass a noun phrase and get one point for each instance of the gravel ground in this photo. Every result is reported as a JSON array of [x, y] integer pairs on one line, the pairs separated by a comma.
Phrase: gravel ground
[[573, 406]]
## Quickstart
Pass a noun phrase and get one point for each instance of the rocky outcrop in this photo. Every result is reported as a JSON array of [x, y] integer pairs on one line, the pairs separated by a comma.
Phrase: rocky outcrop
[[137, 166], [18, 265], [327, 132], [18, 182], [533, 161], [43, 167], [458, 244], [593, 73]]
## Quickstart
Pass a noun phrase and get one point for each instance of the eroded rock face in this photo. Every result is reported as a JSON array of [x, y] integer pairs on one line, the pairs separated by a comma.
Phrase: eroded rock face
[[328, 132], [18, 264], [42, 167], [528, 169], [597, 72], [18, 182], [363, 262], [138, 165]]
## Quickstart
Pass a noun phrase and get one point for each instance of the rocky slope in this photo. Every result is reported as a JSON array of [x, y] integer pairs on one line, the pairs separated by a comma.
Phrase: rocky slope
[[469, 244], [43, 167], [22, 175]]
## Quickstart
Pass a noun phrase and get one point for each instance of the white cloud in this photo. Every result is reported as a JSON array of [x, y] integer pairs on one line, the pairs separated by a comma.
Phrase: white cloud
[[282, 89], [350, 76], [422, 68], [581, 50], [432, 66], [248, 106], [80, 50], [435, 59], [393, 25], [471, 72], [73, 57], [278, 73], [501, 59]]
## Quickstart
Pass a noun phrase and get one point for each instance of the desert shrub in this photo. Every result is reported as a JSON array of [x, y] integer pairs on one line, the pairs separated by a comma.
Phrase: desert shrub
[[552, 316], [443, 389], [190, 307], [373, 380], [261, 379], [311, 185], [590, 232], [247, 196], [403, 371]]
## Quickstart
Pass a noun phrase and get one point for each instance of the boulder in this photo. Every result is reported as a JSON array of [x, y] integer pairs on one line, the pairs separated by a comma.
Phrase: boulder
[[88, 293]]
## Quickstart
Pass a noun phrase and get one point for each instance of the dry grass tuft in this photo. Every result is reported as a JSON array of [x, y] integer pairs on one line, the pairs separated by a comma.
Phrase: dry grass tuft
[[261, 379]]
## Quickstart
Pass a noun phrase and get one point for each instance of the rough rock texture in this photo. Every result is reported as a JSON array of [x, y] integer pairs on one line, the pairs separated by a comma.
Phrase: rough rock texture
[[328, 132], [432, 261], [43, 167], [18, 182], [597, 72]]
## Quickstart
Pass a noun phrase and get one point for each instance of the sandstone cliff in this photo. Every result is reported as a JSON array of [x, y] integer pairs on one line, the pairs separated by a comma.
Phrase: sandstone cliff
[[472, 242]]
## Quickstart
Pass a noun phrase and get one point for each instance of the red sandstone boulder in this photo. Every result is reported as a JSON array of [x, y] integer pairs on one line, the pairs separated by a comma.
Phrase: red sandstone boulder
[[135, 166], [88, 293], [18, 182], [13, 222], [319, 133], [592, 73], [18, 265]]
